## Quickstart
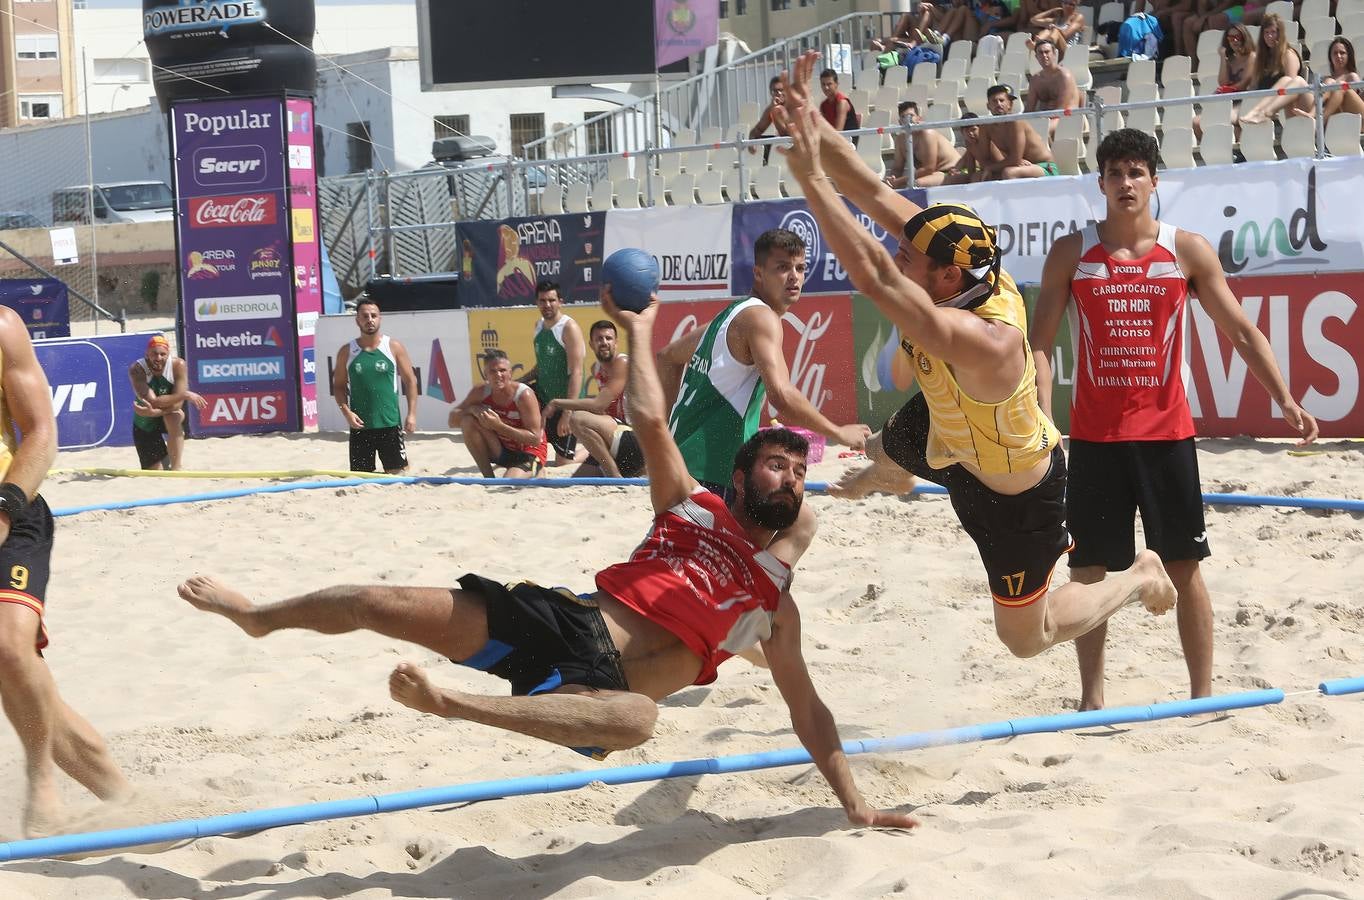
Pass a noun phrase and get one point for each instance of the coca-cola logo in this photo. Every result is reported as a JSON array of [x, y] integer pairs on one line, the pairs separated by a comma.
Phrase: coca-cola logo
[[806, 374], [222, 212]]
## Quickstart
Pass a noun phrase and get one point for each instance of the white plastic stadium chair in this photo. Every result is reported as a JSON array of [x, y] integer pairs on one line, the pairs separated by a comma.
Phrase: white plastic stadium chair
[[1342, 134], [552, 200], [1176, 68], [658, 186], [709, 187], [1299, 137], [575, 198], [1176, 148], [896, 76], [1066, 152], [767, 183], [682, 190], [1215, 147], [602, 193], [1257, 142], [870, 151], [627, 193], [618, 168]]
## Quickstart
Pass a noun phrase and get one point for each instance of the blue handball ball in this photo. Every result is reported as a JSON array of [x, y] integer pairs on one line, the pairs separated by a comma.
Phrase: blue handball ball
[[633, 276]]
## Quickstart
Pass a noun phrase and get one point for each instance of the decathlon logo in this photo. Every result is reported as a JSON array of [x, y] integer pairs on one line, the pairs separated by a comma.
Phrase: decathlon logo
[[804, 226], [260, 368], [198, 16], [243, 164]]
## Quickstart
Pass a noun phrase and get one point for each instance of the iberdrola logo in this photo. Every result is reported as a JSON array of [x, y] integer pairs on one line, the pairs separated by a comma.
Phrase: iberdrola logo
[[208, 308]]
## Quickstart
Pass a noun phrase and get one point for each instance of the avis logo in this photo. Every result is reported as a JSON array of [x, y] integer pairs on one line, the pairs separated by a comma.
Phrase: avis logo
[[225, 410]]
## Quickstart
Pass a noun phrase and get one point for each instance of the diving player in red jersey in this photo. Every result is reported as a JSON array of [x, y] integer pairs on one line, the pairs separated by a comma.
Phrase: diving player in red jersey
[[587, 672], [1126, 282]]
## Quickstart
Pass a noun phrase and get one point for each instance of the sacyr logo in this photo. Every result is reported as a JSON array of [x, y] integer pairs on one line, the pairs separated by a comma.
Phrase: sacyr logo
[[240, 165], [1252, 246], [806, 228], [83, 397], [309, 366]]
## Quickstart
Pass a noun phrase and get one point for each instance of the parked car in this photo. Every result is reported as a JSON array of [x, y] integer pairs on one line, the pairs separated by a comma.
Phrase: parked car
[[118, 201], [13, 219]]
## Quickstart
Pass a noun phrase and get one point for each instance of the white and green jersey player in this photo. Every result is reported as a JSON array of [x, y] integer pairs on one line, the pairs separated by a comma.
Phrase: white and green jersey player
[[719, 404]]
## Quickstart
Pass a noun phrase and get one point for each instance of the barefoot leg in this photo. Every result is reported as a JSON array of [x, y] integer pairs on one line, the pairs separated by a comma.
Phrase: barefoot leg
[[452, 622], [884, 475]]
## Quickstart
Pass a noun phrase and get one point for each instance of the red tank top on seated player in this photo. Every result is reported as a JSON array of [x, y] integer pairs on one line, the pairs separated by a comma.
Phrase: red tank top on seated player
[[601, 375], [698, 575], [511, 414], [1127, 328]]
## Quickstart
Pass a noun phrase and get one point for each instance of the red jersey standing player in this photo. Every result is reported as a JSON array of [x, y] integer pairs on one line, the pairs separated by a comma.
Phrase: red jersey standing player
[[1131, 431]]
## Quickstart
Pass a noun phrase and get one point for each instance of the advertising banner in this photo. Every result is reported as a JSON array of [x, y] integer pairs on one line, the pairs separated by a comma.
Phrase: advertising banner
[[42, 303], [501, 262], [817, 341], [513, 331], [92, 395], [1031, 214], [306, 246], [234, 232], [1299, 215], [682, 29], [436, 342], [823, 273], [691, 244]]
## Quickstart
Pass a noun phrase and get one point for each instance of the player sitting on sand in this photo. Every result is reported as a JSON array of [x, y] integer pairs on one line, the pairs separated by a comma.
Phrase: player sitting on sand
[[587, 672]]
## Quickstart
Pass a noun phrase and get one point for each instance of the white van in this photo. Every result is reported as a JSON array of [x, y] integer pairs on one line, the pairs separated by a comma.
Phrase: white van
[[115, 201]]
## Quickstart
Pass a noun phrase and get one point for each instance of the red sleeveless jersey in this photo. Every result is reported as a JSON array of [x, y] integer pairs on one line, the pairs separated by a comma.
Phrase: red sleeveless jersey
[[1127, 328], [600, 372], [511, 414], [699, 576]]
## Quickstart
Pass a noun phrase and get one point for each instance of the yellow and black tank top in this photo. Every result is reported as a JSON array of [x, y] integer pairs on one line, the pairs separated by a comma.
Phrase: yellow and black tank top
[[1012, 435]]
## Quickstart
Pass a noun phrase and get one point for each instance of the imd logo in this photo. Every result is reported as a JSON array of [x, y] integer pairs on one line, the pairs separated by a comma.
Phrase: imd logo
[[804, 226]]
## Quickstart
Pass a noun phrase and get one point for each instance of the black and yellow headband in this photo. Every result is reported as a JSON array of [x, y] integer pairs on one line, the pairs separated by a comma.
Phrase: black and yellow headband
[[951, 234]]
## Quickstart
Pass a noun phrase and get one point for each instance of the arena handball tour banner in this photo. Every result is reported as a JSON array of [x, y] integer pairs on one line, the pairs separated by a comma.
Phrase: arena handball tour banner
[[234, 229], [206, 48], [501, 262], [823, 273]]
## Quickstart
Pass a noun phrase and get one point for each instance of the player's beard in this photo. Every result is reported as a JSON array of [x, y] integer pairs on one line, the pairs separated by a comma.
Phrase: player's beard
[[776, 509]]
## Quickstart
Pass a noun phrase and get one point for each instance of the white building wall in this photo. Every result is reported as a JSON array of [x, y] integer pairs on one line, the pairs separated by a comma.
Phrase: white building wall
[[109, 34]]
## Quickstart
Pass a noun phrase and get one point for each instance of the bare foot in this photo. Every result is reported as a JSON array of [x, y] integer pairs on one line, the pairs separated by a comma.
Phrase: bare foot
[[44, 814], [207, 593], [877, 477], [410, 687], [1298, 111], [1089, 705], [1156, 592]]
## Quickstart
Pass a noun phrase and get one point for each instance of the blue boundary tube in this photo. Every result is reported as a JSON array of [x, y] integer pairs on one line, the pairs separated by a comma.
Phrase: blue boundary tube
[[1344, 505], [190, 829], [1340, 686]]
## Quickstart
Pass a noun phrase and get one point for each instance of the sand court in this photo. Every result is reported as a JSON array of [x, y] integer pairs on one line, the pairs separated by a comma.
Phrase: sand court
[[899, 637]]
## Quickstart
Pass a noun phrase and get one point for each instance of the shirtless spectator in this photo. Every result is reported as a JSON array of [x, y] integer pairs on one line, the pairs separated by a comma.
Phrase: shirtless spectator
[[1063, 25], [1022, 153], [934, 154], [1053, 87], [910, 31], [766, 121], [969, 166]]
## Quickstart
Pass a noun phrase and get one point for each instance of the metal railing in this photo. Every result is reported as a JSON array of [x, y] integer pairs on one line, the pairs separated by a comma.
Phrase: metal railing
[[402, 225], [713, 99]]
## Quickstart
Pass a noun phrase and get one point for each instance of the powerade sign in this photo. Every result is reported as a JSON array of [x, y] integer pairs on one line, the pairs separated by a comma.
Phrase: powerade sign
[[92, 396], [259, 368], [824, 274], [233, 203], [214, 48]]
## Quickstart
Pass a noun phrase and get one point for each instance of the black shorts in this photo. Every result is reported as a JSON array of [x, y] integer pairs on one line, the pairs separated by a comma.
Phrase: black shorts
[[1020, 536], [625, 450], [1110, 482], [518, 459], [542, 638], [564, 445], [389, 443], [25, 562], [151, 446]]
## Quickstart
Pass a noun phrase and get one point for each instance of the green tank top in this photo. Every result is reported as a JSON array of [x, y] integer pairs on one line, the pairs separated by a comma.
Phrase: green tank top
[[720, 402], [160, 387], [373, 379], [551, 361]]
